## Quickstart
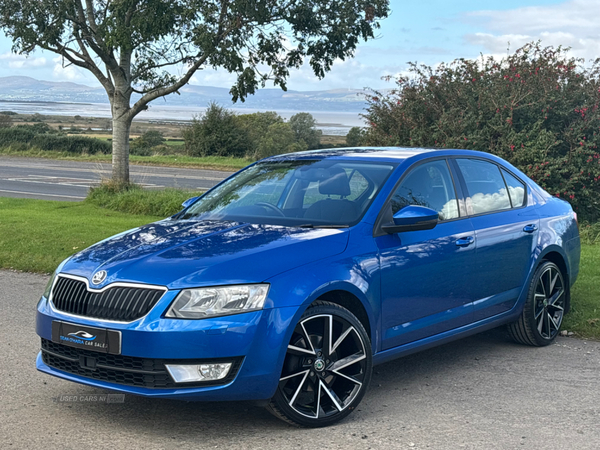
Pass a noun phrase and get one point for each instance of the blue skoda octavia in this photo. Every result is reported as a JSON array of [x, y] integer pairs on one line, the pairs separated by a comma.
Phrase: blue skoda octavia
[[290, 280]]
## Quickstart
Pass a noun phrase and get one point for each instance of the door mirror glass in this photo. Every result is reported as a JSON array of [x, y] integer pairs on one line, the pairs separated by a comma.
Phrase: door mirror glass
[[413, 218]]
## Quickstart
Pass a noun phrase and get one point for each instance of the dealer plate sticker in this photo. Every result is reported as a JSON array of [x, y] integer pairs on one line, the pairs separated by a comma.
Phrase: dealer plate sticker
[[88, 338]]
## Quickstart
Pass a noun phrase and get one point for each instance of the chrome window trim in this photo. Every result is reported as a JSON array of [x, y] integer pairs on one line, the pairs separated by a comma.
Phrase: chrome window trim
[[98, 291]]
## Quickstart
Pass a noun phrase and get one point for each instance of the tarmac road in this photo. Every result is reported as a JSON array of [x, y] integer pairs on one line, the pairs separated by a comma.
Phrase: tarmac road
[[49, 179], [483, 392]]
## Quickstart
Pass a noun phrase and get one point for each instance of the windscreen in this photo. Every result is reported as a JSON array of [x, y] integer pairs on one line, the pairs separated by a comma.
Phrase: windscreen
[[295, 193]]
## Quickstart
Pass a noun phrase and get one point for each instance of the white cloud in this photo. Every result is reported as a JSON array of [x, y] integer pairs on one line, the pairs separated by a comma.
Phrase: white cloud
[[23, 62], [64, 71], [570, 24]]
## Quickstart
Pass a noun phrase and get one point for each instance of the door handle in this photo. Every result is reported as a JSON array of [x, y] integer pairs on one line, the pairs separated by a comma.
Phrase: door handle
[[465, 242], [530, 228]]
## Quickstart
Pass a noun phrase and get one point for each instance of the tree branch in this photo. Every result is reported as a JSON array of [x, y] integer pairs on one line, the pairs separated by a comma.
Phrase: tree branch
[[140, 105]]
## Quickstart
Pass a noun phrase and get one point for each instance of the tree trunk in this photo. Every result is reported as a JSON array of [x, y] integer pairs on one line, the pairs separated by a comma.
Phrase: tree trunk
[[120, 144]]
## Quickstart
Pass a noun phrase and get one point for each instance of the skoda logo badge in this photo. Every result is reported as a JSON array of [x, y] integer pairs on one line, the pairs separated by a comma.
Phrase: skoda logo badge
[[99, 277]]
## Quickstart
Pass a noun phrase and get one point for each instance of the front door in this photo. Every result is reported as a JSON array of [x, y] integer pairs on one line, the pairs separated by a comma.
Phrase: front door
[[426, 275]]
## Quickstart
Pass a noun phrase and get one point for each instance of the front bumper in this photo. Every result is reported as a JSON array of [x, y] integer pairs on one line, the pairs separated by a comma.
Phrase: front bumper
[[257, 338]]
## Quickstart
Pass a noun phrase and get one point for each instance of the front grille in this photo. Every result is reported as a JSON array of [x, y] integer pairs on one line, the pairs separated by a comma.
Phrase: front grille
[[117, 303], [120, 369]]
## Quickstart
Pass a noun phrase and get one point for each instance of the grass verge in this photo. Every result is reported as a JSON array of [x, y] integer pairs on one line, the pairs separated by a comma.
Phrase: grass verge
[[135, 200], [36, 235], [584, 317], [208, 162]]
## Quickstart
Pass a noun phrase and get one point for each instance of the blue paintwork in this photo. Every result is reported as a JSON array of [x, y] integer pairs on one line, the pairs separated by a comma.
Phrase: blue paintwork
[[418, 288]]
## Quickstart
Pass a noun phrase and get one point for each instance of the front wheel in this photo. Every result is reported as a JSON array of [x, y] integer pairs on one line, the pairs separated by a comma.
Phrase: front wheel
[[544, 308], [327, 368]]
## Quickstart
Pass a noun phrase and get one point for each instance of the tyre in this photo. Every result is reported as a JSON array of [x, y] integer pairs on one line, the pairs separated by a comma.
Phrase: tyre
[[327, 368], [544, 308]]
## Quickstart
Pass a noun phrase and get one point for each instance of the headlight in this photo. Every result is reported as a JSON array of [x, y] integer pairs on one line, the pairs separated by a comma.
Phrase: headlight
[[49, 285], [218, 301], [53, 277]]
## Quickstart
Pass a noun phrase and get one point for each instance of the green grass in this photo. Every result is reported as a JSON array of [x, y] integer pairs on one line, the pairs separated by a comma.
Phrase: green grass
[[208, 162], [135, 200], [584, 318], [36, 235]]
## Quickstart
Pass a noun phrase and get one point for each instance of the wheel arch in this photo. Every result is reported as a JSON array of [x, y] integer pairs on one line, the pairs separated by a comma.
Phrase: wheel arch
[[349, 301]]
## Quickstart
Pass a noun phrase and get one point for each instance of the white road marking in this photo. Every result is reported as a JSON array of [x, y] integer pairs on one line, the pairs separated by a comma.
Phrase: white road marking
[[38, 193]]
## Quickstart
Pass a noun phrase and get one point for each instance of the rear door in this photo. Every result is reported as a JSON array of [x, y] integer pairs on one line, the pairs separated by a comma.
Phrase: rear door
[[506, 232]]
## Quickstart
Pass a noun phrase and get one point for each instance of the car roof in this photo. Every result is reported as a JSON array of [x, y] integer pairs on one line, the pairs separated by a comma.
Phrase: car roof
[[379, 154]]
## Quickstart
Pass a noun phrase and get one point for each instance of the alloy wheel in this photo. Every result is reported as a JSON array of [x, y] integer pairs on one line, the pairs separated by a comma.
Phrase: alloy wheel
[[325, 367], [549, 302]]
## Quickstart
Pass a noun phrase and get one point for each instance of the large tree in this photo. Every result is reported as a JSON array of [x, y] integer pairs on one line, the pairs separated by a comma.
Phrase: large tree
[[146, 49]]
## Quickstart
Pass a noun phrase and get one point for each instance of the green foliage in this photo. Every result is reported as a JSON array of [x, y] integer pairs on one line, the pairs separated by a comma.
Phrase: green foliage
[[536, 108], [355, 137], [255, 126], [148, 141], [15, 135], [584, 317], [38, 128], [589, 233], [70, 144], [303, 125], [5, 121], [215, 133], [280, 138], [135, 200], [219, 132], [146, 40], [41, 136]]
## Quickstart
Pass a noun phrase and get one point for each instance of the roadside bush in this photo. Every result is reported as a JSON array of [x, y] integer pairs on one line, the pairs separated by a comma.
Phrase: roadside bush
[[38, 128], [215, 133], [355, 137], [536, 108], [279, 138], [255, 126], [70, 144], [303, 125], [15, 135], [219, 132], [145, 144]]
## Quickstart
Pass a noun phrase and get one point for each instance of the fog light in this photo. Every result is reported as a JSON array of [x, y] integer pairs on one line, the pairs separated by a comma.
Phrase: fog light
[[198, 372]]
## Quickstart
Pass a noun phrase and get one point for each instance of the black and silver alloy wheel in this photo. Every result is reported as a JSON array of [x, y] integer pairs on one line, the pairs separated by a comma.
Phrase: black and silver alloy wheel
[[544, 309], [327, 367]]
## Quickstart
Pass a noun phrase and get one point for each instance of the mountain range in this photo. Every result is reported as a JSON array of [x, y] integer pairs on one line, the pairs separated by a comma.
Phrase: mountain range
[[26, 89]]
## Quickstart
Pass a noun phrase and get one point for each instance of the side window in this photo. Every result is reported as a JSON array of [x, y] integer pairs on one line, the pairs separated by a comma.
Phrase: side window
[[487, 191], [516, 189], [429, 185]]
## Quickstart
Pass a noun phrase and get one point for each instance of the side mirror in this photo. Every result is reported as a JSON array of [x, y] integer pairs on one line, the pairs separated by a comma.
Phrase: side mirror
[[189, 201], [412, 218]]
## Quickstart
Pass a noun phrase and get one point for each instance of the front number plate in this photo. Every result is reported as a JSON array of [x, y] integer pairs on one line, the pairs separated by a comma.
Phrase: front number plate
[[87, 338]]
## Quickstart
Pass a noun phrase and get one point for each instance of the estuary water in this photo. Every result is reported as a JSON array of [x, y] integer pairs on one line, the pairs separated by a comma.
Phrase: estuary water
[[331, 123]]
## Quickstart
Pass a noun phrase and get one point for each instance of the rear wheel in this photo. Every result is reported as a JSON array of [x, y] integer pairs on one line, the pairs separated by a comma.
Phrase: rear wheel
[[543, 312], [326, 370]]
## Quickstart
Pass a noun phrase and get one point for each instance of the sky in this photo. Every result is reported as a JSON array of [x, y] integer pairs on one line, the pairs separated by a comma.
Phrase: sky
[[426, 31]]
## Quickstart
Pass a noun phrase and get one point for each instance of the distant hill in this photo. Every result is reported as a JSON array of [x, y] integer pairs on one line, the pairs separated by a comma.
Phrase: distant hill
[[342, 100]]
